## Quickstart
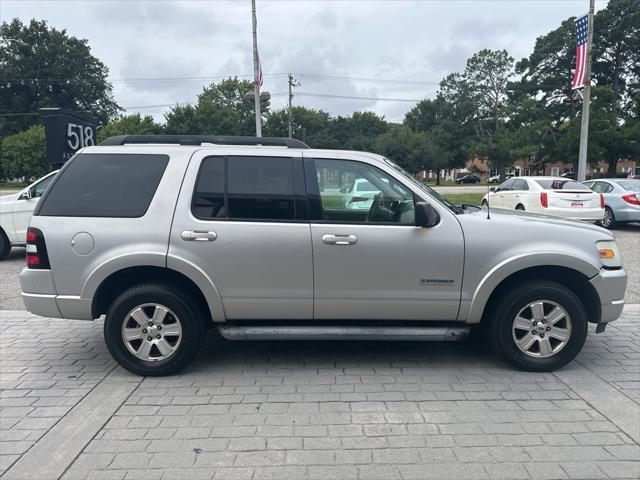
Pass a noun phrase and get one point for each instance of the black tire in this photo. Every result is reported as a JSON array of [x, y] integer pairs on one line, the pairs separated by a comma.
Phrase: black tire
[[5, 245], [609, 220], [501, 321], [179, 303], [520, 207]]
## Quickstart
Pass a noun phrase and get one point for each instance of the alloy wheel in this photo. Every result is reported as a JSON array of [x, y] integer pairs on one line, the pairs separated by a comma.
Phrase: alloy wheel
[[151, 332], [541, 329]]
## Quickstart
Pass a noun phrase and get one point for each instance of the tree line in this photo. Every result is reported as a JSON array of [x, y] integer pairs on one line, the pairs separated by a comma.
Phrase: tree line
[[496, 108]]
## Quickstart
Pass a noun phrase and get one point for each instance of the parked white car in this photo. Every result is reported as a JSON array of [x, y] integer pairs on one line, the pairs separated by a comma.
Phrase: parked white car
[[15, 213], [361, 195], [558, 196]]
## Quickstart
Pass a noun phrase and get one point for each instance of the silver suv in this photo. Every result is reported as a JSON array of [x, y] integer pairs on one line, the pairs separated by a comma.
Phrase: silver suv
[[167, 236]]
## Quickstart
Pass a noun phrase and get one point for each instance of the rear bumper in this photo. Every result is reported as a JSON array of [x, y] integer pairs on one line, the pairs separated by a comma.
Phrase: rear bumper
[[40, 297], [611, 286], [585, 215]]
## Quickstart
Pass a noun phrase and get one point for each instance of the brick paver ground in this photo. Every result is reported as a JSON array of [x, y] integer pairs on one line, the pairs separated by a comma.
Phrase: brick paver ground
[[314, 410]]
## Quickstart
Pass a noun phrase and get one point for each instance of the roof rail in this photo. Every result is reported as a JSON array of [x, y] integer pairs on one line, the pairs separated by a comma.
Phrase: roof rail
[[200, 139]]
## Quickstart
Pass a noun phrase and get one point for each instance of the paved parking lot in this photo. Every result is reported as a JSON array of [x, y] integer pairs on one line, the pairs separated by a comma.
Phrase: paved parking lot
[[314, 410]]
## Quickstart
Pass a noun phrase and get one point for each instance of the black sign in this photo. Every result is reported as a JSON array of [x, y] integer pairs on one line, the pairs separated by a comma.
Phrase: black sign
[[66, 132]]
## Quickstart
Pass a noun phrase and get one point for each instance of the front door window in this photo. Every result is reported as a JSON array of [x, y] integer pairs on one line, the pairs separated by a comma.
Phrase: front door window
[[355, 192]]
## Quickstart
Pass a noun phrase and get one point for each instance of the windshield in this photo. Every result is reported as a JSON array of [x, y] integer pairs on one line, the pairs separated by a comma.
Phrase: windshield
[[631, 185], [454, 208]]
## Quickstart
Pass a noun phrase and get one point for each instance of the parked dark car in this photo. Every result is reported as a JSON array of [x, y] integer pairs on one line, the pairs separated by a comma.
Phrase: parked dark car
[[468, 179]]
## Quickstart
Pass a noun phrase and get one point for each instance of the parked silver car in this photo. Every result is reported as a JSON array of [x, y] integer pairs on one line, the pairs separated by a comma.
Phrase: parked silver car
[[621, 199], [185, 233]]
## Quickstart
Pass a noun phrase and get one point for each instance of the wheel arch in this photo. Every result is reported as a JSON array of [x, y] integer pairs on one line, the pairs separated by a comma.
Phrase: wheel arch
[[570, 271], [115, 283]]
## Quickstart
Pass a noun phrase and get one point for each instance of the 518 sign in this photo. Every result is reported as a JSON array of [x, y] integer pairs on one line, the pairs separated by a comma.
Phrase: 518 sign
[[80, 136]]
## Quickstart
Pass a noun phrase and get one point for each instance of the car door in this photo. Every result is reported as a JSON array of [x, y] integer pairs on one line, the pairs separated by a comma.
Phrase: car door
[[376, 264], [498, 198], [515, 196], [243, 220], [24, 206]]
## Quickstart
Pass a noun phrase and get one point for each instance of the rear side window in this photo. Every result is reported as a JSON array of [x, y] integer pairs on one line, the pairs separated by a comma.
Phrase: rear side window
[[105, 185], [245, 188]]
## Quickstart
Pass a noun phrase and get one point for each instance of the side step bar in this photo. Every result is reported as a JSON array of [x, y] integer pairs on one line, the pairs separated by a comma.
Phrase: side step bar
[[416, 334]]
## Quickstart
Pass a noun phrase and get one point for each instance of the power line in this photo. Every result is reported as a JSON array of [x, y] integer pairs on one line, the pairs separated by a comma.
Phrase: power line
[[355, 97]]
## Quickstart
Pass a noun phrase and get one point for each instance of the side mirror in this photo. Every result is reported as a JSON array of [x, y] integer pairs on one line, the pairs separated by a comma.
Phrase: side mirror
[[26, 195], [426, 215], [493, 189]]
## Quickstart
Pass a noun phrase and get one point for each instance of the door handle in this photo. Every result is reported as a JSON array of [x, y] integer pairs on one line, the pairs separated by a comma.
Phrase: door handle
[[337, 239], [198, 236]]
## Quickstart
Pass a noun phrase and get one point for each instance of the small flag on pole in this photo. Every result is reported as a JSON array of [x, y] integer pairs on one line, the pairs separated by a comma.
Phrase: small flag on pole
[[582, 35], [260, 76]]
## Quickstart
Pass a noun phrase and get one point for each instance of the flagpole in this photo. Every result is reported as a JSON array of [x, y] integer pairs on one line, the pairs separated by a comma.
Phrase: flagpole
[[586, 101], [256, 71]]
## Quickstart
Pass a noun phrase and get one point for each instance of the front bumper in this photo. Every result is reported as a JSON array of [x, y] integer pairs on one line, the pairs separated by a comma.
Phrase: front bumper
[[611, 286], [40, 297]]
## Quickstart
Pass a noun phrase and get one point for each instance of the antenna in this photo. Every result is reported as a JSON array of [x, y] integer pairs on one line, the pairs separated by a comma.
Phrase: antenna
[[488, 195]]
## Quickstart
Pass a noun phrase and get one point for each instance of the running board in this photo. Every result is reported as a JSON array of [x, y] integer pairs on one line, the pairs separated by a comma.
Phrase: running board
[[416, 334]]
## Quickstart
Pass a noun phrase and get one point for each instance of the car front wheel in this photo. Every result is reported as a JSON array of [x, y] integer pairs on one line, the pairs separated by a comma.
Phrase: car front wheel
[[153, 329], [539, 326]]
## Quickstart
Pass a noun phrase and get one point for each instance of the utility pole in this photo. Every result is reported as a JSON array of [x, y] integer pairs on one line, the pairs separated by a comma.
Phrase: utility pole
[[256, 71], [292, 83], [586, 100]]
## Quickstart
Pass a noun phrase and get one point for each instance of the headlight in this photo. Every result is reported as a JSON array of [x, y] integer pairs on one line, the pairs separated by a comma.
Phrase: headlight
[[609, 254]]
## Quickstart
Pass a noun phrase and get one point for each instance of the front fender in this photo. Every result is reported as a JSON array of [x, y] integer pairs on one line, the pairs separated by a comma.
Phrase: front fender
[[518, 263]]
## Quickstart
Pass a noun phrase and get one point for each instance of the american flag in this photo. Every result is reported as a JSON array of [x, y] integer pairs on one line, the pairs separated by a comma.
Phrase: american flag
[[582, 36], [260, 75]]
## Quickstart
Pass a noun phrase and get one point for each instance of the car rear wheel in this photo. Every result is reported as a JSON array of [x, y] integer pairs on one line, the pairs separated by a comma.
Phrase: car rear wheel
[[153, 329], [5, 246], [520, 207], [539, 326], [609, 219]]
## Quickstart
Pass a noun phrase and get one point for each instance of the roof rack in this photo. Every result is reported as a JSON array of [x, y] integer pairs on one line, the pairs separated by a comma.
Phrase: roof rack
[[200, 139]]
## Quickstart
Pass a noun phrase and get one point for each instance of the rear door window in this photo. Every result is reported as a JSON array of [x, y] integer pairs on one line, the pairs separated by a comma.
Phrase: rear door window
[[105, 185], [249, 188]]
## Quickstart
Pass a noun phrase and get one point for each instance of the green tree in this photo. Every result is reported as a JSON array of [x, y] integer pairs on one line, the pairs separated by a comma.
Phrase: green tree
[[408, 149], [479, 101], [23, 154], [45, 67], [134, 124], [221, 109], [616, 75], [448, 135], [309, 125]]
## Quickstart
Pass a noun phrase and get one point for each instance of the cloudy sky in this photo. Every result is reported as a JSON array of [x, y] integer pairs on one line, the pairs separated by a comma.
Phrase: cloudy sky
[[161, 52]]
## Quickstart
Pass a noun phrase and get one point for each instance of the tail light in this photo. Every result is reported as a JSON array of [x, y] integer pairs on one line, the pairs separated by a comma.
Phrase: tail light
[[601, 201], [358, 199], [37, 257], [544, 199], [631, 199]]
